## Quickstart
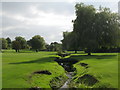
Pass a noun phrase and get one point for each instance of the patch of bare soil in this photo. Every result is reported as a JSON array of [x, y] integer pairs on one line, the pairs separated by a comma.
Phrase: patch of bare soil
[[84, 65], [88, 80], [43, 72], [35, 88]]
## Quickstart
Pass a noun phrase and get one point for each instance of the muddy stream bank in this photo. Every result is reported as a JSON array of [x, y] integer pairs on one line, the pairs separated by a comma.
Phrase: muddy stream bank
[[67, 64]]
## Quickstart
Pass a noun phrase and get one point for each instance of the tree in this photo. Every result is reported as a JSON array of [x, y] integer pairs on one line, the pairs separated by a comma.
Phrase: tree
[[8, 42], [93, 29], [108, 28], [55, 46], [21, 41], [37, 42], [70, 41], [16, 45], [84, 27], [3, 43]]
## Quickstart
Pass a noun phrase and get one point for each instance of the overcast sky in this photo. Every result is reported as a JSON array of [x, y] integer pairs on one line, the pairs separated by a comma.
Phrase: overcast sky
[[48, 19]]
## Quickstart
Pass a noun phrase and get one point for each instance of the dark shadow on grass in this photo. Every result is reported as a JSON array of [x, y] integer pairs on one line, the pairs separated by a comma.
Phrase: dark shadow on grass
[[41, 60], [82, 57], [76, 57]]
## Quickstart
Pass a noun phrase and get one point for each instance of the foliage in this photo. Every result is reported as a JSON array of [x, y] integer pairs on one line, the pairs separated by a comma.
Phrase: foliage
[[16, 45], [70, 41], [3, 43], [37, 42], [54, 46], [21, 41], [9, 42], [93, 29]]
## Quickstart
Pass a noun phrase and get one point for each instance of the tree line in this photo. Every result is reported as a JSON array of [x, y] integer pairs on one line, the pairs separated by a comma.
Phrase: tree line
[[37, 43]]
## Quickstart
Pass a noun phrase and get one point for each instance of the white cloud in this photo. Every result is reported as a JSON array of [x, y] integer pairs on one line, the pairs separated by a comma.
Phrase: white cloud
[[46, 19], [41, 18]]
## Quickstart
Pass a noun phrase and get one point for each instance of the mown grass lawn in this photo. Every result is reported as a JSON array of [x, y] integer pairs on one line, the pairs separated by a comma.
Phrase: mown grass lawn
[[17, 69], [103, 66]]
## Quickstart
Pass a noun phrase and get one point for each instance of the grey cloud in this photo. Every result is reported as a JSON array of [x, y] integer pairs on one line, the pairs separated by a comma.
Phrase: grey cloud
[[57, 8], [6, 22], [24, 7], [46, 32]]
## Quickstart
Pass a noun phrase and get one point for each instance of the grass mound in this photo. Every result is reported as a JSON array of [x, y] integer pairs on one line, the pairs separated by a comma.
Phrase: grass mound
[[102, 71]]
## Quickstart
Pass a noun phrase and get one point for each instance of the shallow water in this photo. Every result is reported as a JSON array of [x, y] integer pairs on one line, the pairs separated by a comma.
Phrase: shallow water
[[69, 75]]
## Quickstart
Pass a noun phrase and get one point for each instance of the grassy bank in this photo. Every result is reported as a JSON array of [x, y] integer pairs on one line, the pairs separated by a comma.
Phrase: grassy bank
[[18, 69], [102, 66]]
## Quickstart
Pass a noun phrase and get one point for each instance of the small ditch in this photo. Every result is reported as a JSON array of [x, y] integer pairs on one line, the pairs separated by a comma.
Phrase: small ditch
[[67, 64]]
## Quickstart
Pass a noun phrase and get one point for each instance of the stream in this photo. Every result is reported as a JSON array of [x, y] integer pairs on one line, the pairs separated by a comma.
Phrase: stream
[[67, 64], [69, 75]]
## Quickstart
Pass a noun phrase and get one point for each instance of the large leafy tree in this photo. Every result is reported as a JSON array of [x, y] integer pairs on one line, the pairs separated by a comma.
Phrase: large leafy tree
[[93, 29], [22, 41], [3, 43], [70, 41], [16, 45], [84, 27], [107, 27], [9, 42], [19, 43], [55, 46], [37, 42]]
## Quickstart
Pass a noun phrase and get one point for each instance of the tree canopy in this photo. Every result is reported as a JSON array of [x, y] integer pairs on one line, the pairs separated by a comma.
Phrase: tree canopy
[[9, 42], [21, 41], [37, 42], [3, 43], [92, 29]]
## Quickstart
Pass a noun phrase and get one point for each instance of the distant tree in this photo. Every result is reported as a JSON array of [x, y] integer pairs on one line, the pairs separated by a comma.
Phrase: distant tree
[[22, 42], [37, 42], [47, 47], [29, 46], [3, 43], [9, 42], [55, 46], [16, 45]]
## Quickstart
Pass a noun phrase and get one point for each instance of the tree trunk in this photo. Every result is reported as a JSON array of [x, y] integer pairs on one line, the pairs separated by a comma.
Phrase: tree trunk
[[16, 50], [75, 51], [36, 50], [89, 54]]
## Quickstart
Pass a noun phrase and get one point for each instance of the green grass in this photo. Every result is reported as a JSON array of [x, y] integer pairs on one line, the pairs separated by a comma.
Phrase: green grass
[[103, 66], [18, 67]]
